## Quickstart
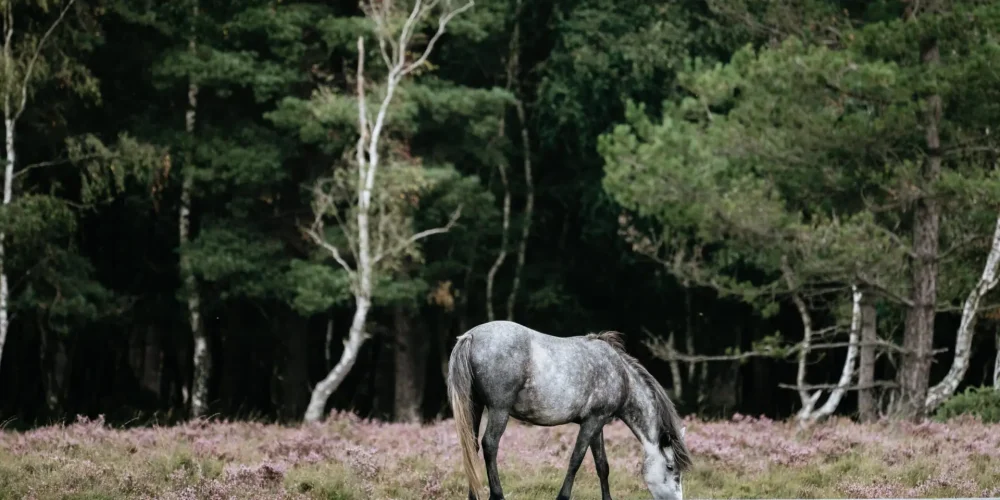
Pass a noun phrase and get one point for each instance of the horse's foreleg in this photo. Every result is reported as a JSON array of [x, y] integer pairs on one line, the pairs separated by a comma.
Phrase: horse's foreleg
[[587, 430], [601, 463], [496, 423]]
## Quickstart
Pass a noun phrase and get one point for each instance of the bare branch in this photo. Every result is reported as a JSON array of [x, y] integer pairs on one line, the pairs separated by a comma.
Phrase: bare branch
[[381, 32], [822, 387], [959, 245], [882, 289], [440, 31], [404, 39], [53, 163], [421, 235], [316, 234], [31, 64]]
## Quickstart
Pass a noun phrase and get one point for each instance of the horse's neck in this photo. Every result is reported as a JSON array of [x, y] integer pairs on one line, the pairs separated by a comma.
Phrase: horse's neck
[[639, 413]]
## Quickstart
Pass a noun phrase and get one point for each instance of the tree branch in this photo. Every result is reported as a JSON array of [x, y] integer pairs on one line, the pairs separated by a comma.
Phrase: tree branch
[[822, 387], [440, 31], [421, 235], [318, 238], [31, 64]]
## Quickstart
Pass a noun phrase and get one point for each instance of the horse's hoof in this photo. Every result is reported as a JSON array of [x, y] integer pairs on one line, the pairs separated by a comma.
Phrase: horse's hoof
[[560, 497]]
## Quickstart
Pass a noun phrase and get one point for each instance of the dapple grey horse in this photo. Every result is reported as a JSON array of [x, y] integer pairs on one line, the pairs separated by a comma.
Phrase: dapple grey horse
[[514, 371]]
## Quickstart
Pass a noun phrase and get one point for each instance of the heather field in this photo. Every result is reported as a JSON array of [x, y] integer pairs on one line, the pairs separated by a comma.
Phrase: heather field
[[346, 458]]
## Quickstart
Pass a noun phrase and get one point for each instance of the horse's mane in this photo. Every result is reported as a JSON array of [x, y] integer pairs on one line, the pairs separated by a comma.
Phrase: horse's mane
[[670, 422]]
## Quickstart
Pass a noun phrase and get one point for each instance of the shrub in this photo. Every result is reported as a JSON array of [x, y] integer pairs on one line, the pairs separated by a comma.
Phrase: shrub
[[983, 402]]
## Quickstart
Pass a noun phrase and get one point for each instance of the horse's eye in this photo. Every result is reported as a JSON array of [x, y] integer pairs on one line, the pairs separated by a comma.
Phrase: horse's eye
[[670, 468]]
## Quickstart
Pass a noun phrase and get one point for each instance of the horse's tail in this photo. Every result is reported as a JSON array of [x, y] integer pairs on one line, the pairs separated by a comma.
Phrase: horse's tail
[[460, 395]]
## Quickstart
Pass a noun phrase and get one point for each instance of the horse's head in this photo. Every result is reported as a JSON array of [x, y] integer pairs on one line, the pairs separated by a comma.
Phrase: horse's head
[[663, 477]]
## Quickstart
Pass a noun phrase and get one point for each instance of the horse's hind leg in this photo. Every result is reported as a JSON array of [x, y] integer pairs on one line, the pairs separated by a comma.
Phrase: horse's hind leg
[[477, 417], [587, 430], [601, 463], [496, 423]]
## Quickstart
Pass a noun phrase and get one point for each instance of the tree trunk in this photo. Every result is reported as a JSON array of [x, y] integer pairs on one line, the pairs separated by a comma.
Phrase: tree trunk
[[866, 372], [8, 195], [529, 208], [918, 335], [410, 350], [152, 364], [675, 371], [513, 71], [355, 339], [291, 363], [54, 361], [808, 400], [202, 358], [505, 229], [966, 328], [328, 344], [847, 373], [996, 364]]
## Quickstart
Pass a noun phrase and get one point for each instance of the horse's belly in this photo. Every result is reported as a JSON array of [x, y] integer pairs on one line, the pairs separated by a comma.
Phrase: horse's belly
[[555, 392], [542, 406]]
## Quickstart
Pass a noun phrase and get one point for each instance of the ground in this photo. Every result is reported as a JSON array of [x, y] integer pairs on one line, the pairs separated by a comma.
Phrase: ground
[[346, 458]]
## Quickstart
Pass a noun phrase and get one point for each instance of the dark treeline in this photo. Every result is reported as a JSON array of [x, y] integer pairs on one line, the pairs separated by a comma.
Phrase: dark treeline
[[691, 171]]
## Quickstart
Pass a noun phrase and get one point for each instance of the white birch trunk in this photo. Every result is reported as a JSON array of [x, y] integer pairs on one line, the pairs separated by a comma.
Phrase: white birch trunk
[[852, 354], [355, 339], [808, 400], [8, 195], [9, 121], [966, 328], [202, 357], [996, 365]]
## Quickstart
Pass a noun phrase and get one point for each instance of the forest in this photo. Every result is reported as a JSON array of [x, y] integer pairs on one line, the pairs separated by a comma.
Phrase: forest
[[272, 210]]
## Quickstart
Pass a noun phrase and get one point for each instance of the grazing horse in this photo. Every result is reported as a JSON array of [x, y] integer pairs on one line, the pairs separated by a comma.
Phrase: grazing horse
[[514, 371]]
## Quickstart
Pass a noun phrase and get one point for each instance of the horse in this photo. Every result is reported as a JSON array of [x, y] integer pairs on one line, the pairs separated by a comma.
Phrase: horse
[[510, 370]]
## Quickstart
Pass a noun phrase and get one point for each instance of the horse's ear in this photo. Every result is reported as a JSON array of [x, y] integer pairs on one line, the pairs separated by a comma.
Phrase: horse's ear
[[683, 430]]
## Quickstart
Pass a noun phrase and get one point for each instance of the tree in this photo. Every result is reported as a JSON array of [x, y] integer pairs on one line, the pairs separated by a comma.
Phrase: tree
[[202, 359], [814, 154], [369, 253], [20, 59]]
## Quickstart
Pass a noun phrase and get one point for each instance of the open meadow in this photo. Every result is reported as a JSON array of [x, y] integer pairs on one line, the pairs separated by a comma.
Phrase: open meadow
[[346, 458]]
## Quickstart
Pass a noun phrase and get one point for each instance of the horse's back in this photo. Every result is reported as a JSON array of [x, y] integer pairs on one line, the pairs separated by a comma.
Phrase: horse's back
[[544, 379]]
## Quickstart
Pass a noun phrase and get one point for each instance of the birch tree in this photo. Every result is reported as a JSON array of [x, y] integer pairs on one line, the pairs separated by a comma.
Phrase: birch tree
[[372, 245], [202, 357], [966, 328], [19, 62]]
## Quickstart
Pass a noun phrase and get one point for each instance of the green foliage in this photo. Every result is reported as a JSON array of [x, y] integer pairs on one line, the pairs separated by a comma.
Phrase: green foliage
[[784, 152], [238, 261], [104, 170], [982, 402], [63, 293], [317, 287]]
